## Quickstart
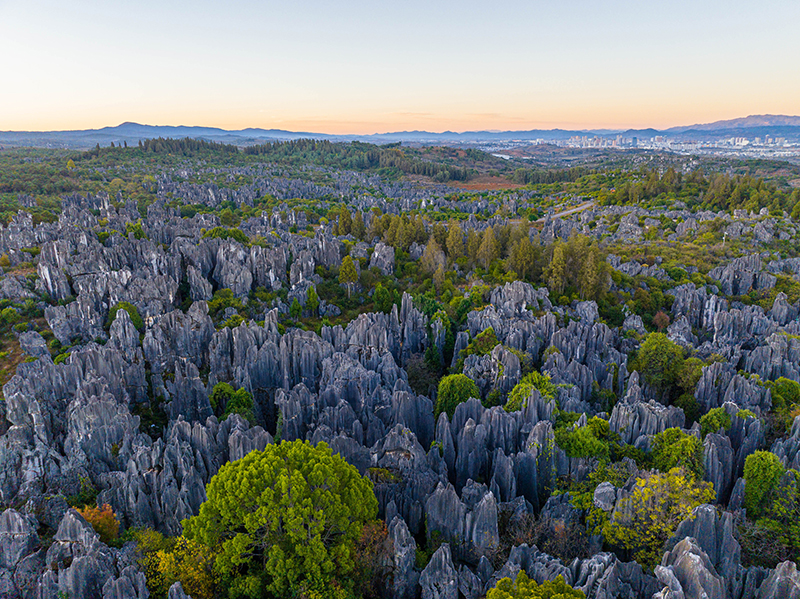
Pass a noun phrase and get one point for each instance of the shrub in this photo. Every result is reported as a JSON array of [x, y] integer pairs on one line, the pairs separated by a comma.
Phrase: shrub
[[482, 345], [232, 322], [518, 397], [526, 588], [226, 233], [234, 401], [585, 441], [652, 512], [762, 472], [717, 418], [9, 315], [103, 521], [453, 390], [132, 311], [673, 448], [166, 561], [223, 299], [284, 519], [86, 496], [136, 229]]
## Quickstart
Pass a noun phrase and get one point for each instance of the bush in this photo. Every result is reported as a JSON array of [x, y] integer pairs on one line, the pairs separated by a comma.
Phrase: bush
[[518, 397], [234, 401], [226, 233], [284, 520], [762, 472], [482, 345], [526, 588], [673, 448], [103, 521], [132, 312], [717, 418], [223, 299], [232, 322], [585, 441], [9, 315], [136, 229], [166, 561], [453, 390]]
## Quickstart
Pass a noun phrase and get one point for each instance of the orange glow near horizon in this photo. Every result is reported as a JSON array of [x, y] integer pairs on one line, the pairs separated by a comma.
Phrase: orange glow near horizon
[[358, 67], [366, 122]]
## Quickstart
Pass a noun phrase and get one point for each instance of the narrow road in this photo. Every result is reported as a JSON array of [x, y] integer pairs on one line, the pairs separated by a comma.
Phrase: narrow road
[[568, 212]]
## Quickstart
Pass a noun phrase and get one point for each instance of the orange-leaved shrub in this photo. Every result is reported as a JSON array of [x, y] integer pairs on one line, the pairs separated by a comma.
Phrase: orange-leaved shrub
[[103, 521]]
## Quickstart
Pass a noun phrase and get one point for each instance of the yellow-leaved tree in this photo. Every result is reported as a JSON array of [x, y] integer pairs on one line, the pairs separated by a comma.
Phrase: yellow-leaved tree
[[647, 518]]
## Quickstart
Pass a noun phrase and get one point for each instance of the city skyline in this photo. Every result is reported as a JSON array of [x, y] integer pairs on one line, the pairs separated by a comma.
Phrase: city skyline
[[356, 68]]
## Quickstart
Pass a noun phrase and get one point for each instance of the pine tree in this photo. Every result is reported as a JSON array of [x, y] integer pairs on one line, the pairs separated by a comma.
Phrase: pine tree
[[473, 245], [522, 258], [455, 242], [348, 274], [557, 271], [433, 257], [358, 228], [345, 221], [487, 252], [589, 278], [312, 300]]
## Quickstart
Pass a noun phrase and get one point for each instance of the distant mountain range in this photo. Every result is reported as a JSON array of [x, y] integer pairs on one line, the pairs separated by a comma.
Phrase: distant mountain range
[[131, 133]]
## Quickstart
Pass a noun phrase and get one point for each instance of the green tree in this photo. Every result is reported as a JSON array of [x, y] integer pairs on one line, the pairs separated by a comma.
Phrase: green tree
[[488, 252], [648, 517], [518, 397], [383, 299], [453, 390], [284, 520], [557, 270], [526, 588], [762, 473], [717, 418], [433, 256], [673, 448], [522, 258], [660, 362], [132, 311], [295, 310], [455, 242], [473, 245], [345, 221], [358, 229], [312, 300], [348, 274]]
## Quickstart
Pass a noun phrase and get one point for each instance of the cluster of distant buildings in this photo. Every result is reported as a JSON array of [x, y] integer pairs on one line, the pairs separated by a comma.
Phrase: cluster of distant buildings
[[753, 147]]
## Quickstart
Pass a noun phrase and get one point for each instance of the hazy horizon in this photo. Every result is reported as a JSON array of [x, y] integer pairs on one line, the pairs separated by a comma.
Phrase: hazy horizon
[[360, 68]]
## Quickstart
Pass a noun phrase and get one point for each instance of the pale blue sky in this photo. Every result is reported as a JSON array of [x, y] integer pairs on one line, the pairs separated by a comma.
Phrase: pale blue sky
[[365, 67]]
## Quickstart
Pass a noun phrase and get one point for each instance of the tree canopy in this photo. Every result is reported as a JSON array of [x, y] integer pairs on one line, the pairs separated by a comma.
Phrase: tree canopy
[[284, 519], [453, 390]]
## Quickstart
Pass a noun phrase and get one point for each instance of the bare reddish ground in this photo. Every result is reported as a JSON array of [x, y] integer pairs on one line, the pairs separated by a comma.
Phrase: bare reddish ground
[[795, 182]]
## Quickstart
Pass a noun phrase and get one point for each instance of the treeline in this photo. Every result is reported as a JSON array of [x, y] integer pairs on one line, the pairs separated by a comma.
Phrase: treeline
[[36, 179], [185, 147], [527, 176], [357, 156], [718, 191]]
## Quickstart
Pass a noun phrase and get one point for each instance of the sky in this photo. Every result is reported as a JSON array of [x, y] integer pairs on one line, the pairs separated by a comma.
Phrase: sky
[[356, 66]]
